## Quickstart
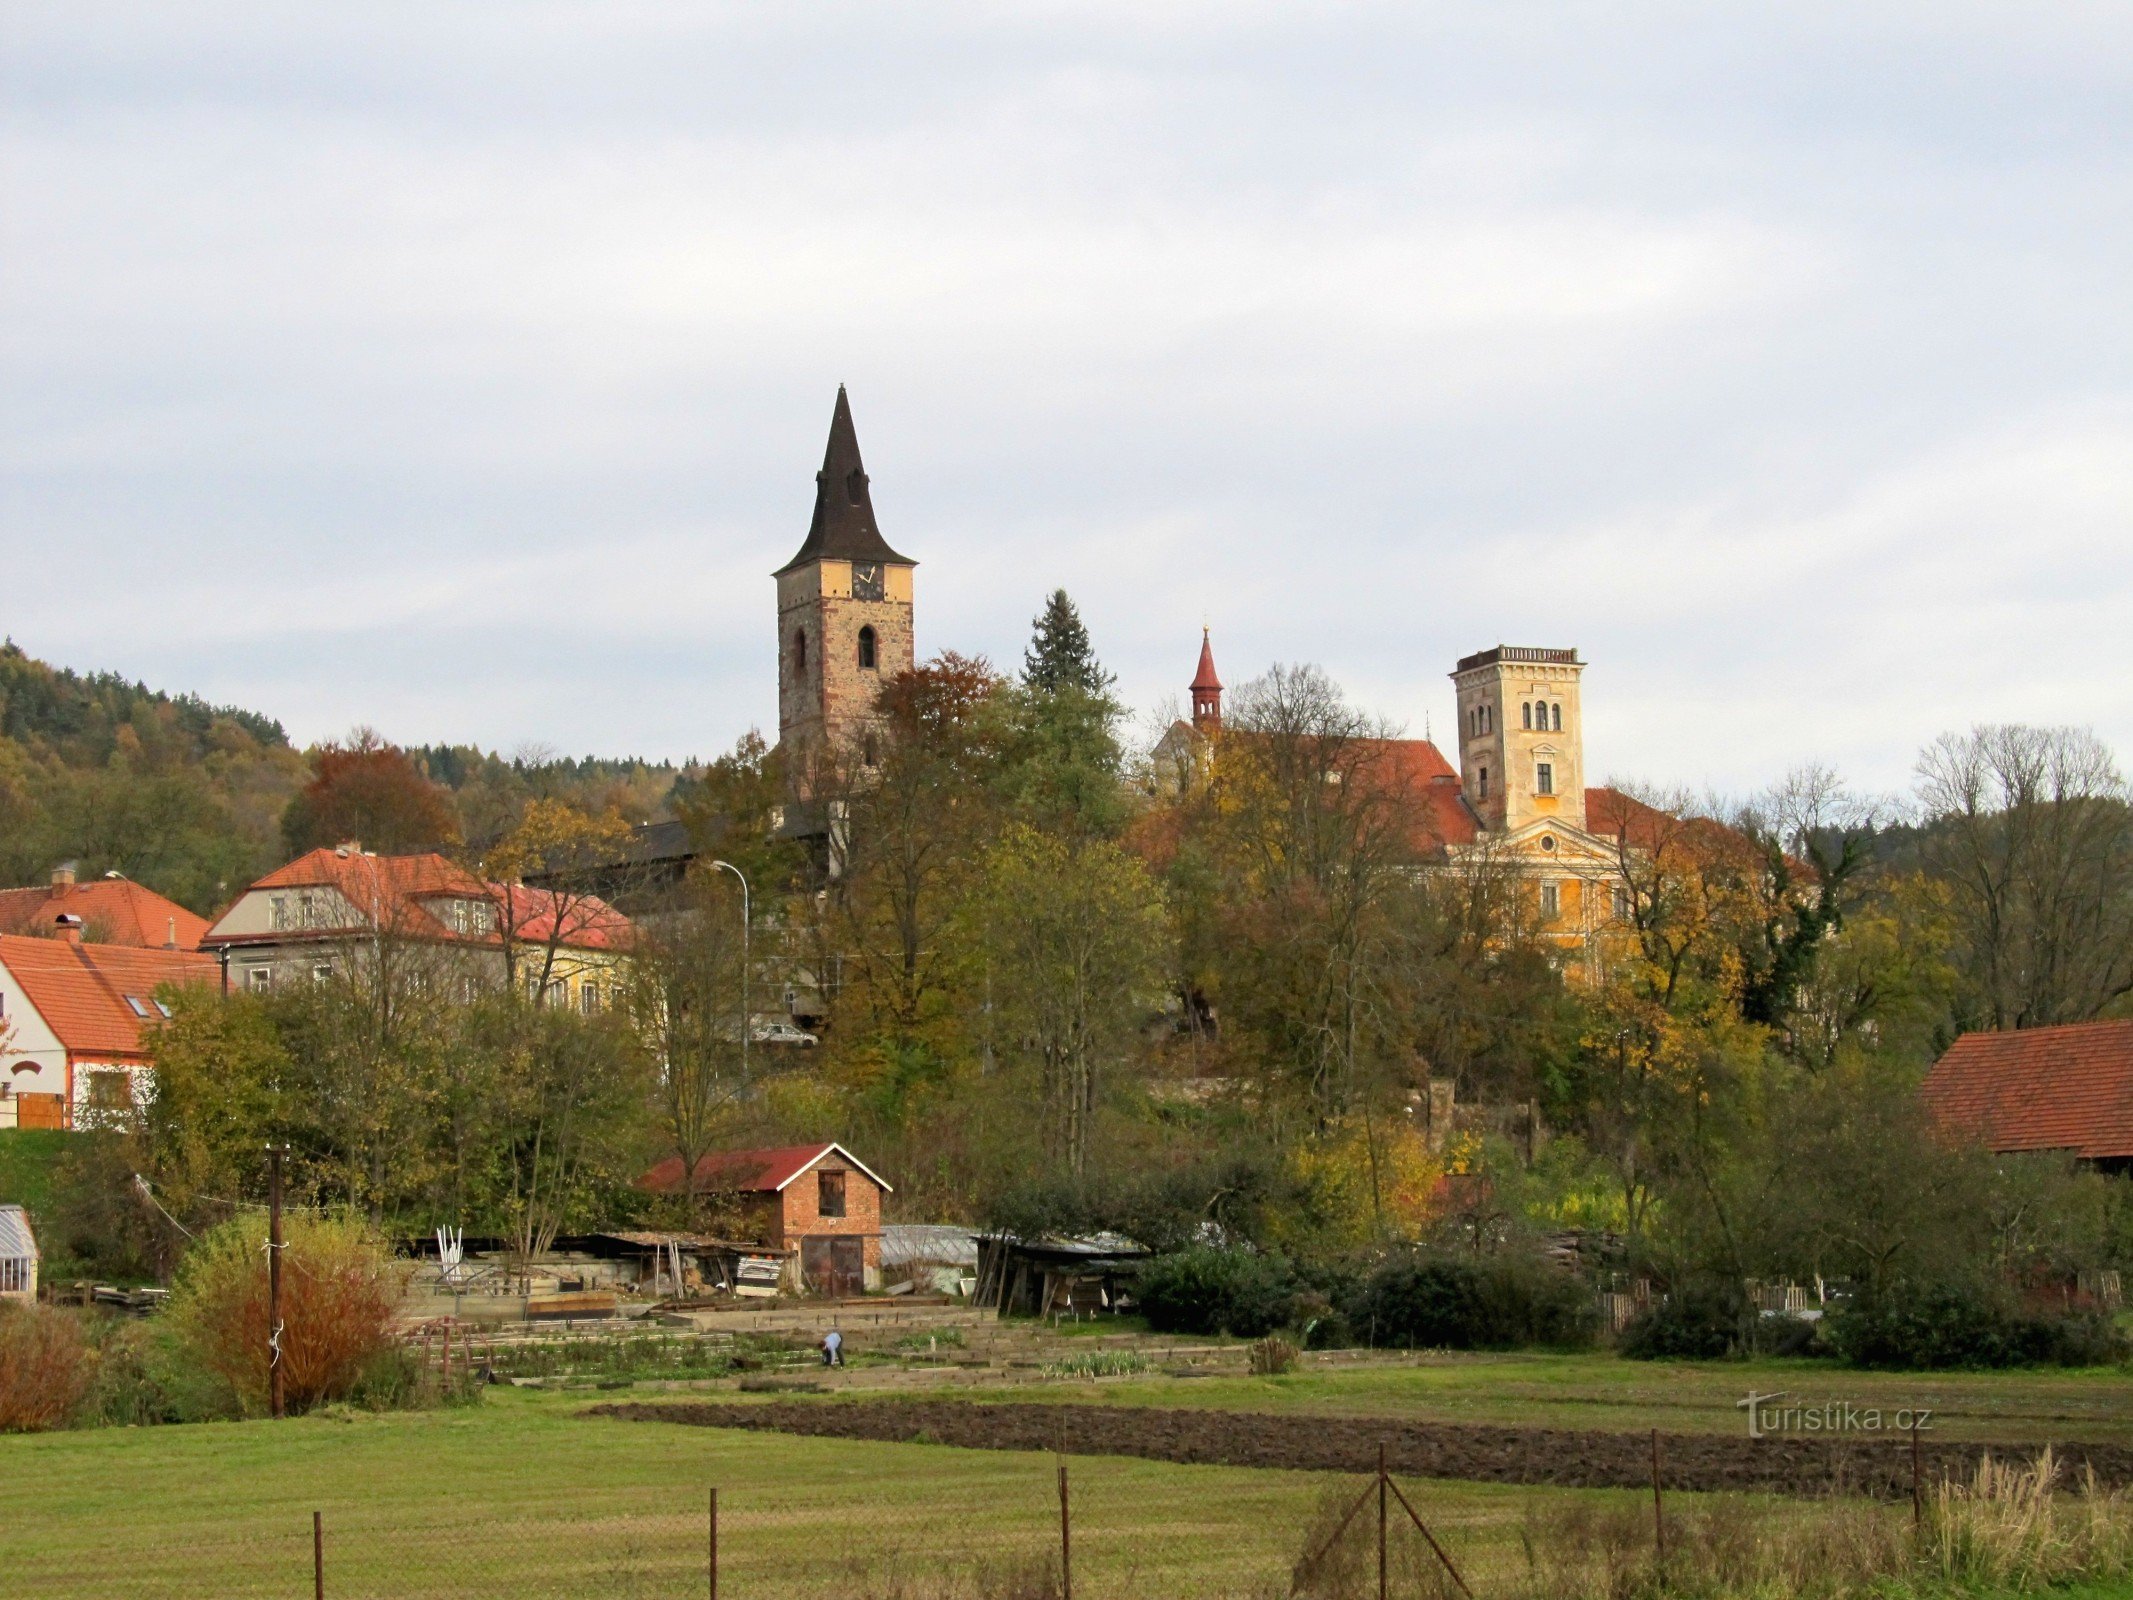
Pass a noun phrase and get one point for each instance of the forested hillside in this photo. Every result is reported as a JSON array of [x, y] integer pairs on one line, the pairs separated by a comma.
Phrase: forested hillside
[[195, 800]]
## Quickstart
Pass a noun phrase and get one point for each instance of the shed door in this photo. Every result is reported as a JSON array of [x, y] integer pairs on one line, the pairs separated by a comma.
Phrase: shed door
[[834, 1266], [40, 1111]]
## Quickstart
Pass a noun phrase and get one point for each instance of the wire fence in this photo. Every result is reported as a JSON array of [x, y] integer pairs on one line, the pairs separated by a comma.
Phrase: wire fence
[[869, 1520]]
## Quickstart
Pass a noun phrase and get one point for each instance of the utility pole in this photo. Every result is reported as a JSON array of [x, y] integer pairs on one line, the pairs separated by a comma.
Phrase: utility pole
[[747, 922], [275, 1404]]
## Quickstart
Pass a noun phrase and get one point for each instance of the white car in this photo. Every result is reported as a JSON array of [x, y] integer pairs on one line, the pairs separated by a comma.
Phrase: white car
[[782, 1033]]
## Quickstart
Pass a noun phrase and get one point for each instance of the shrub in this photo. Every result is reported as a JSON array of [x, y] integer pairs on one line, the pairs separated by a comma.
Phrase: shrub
[[1216, 1291], [1460, 1303], [1697, 1322], [1274, 1355], [338, 1295], [45, 1367], [1915, 1326]]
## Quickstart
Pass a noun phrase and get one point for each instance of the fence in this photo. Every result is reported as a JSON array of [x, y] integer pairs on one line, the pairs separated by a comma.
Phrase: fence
[[800, 1517]]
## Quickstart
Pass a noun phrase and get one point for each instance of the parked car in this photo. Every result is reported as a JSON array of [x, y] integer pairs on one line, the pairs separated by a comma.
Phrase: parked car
[[782, 1033]]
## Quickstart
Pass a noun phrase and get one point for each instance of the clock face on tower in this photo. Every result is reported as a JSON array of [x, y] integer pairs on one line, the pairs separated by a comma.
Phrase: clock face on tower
[[866, 580]]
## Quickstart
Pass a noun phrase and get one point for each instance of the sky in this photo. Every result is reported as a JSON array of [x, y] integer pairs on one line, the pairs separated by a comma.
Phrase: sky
[[463, 370]]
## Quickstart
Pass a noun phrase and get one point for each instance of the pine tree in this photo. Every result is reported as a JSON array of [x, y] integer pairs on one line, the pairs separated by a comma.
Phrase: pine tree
[[1059, 654]]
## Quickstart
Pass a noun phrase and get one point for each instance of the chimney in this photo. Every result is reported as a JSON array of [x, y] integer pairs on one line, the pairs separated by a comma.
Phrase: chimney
[[69, 927], [349, 847], [170, 939], [63, 878]]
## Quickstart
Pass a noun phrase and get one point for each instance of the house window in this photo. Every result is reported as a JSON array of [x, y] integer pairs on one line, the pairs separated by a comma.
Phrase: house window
[[280, 912], [589, 999], [1621, 902], [321, 971], [867, 651], [259, 979], [1544, 777], [1551, 901], [109, 1091], [830, 1194], [557, 993]]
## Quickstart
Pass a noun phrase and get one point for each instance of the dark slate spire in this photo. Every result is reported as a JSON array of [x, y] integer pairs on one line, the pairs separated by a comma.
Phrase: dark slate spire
[[844, 527]]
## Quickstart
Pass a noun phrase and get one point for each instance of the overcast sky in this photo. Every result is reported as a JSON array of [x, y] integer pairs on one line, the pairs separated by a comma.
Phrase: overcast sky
[[463, 369]]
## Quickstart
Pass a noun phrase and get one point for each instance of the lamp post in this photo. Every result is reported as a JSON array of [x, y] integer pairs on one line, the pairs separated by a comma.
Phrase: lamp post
[[747, 1025]]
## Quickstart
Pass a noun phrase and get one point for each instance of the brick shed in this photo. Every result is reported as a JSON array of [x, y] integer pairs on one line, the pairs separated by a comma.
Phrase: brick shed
[[818, 1200], [2067, 1089]]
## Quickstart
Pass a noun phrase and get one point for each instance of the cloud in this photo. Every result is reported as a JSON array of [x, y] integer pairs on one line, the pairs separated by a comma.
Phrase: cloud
[[465, 371]]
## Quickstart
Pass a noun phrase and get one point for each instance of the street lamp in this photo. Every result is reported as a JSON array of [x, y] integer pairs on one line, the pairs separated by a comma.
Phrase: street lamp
[[747, 1025]]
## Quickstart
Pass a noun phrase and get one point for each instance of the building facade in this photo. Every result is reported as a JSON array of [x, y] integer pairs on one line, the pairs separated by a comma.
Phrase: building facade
[[844, 623]]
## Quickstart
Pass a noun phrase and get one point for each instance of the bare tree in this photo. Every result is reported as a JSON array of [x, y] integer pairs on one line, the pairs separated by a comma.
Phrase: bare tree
[[2031, 828]]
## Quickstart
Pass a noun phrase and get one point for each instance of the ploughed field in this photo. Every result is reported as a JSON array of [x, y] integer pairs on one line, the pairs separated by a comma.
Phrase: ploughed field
[[1868, 1464]]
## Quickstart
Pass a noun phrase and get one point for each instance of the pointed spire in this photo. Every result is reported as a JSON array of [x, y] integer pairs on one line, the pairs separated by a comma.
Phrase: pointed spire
[[1205, 678], [1206, 688], [843, 528]]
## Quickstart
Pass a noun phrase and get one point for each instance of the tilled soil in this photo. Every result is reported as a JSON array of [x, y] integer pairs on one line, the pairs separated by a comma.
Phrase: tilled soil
[[1570, 1458]]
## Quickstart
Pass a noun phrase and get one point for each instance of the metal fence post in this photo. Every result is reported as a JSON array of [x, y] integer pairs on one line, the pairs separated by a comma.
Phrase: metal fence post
[[711, 1566], [1381, 1520], [1066, 1540], [318, 1555], [1658, 1505], [276, 1404]]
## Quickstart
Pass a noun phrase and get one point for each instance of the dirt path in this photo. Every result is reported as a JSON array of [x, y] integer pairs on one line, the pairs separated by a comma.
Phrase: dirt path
[[1570, 1458]]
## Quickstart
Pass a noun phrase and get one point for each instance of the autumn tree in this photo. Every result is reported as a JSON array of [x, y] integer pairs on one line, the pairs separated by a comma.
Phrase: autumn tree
[[543, 877], [1077, 936], [370, 791], [2031, 830]]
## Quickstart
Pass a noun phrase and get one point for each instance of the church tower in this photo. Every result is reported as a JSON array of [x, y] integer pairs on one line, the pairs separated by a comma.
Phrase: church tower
[[1522, 736], [844, 618], [1206, 690]]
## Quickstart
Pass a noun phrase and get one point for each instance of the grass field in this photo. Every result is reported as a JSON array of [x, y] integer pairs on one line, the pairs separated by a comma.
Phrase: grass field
[[1604, 1391], [522, 1495]]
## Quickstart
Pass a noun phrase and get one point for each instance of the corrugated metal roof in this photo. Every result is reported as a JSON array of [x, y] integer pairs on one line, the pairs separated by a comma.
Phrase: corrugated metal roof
[[16, 1240], [906, 1243]]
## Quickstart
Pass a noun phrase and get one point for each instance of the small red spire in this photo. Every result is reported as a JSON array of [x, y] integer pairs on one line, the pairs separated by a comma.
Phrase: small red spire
[[1206, 688]]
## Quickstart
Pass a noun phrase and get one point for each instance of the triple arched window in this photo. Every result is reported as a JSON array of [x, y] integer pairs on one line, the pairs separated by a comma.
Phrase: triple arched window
[[869, 652], [1541, 715]]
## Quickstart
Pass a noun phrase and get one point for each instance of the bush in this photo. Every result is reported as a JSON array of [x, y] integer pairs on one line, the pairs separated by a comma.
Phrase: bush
[[339, 1290], [1697, 1322], [1923, 1326], [1274, 1355], [1460, 1303], [45, 1367], [1216, 1291]]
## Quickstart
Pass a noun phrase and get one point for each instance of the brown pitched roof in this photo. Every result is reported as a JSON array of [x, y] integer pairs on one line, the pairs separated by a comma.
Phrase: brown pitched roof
[[844, 528], [2068, 1088], [117, 910], [86, 993]]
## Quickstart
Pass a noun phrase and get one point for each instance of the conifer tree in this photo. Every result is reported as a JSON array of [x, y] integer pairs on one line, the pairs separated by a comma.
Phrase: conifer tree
[[1059, 654]]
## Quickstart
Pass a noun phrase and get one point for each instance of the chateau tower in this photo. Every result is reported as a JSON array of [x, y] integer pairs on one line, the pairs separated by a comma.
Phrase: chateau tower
[[1522, 736], [1206, 690], [844, 617]]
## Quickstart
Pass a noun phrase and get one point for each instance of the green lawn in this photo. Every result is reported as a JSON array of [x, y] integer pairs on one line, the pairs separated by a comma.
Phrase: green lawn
[[523, 1496], [1605, 1391], [27, 1156]]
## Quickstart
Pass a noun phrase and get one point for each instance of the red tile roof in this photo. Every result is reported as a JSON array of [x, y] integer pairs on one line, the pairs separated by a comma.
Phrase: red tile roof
[[2068, 1088], [749, 1171], [113, 911], [80, 989], [401, 887]]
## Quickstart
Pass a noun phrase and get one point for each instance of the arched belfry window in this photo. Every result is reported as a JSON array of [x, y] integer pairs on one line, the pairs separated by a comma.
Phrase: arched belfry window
[[868, 653], [1555, 716], [799, 653]]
